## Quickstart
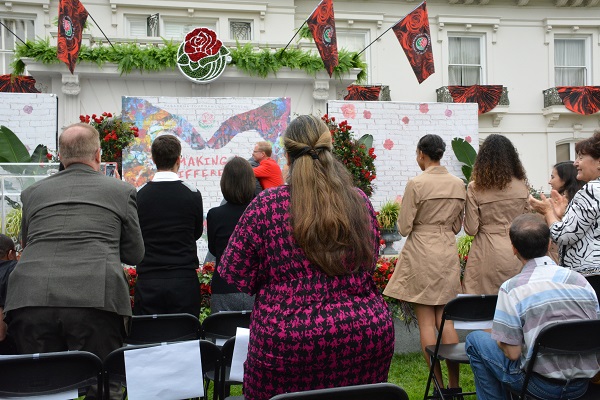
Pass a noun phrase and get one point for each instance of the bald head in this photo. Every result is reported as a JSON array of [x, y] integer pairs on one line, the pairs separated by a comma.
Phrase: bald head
[[79, 143], [530, 236]]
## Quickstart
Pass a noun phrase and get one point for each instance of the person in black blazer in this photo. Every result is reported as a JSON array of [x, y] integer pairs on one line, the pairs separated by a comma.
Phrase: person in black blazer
[[237, 186]]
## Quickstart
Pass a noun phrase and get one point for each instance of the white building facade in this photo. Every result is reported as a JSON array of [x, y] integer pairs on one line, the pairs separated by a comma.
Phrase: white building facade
[[528, 46]]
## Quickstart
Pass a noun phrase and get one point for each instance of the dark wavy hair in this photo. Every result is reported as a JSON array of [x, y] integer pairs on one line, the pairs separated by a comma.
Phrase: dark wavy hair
[[433, 146], [496, 164], [590, 146], [568, 174]]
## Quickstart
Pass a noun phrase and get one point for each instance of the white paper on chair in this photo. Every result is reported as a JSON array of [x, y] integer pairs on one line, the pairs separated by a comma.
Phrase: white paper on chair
[[240, 353], [171, 371], [472, 325], [68, 395]]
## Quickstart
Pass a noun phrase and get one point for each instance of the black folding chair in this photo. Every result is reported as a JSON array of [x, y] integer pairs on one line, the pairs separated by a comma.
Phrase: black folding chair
[[379, 391], [114, 364], [569, 338], [220, 327], [467, 309], [160, 328], [48, 373], [223, 325], [226, 382]]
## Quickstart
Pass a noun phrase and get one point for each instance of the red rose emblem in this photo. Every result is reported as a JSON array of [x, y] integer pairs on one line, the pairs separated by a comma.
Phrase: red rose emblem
[[200, 43]]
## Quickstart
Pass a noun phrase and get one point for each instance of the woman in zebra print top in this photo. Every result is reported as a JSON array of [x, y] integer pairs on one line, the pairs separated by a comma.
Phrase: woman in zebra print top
[[575, 226]]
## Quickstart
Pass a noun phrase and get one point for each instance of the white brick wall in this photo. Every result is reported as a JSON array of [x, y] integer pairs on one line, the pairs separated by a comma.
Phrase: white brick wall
[[396, 128], [31, 116]]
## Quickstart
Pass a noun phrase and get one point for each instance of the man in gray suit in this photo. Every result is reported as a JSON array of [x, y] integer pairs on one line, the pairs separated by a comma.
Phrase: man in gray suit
[[69, 291]]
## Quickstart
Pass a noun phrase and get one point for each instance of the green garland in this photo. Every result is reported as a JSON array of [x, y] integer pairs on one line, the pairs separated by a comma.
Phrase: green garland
[[130, 57]]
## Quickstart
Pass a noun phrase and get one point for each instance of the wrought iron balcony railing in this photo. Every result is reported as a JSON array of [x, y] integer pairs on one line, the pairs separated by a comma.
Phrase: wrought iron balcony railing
[[551, 98], [443, 96]]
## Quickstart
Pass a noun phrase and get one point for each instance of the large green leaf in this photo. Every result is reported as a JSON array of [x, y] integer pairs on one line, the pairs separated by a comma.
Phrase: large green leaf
[[12, 150], [465, 153], [39, 154], [467, 170], [367, 140]]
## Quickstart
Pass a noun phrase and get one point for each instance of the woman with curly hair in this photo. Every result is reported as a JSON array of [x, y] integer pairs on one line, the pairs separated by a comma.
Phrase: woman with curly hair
[[497, 194]]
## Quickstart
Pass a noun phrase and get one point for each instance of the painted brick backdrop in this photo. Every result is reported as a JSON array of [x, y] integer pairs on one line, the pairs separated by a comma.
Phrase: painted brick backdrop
[[32, 117], [396, 128], [211, 130]]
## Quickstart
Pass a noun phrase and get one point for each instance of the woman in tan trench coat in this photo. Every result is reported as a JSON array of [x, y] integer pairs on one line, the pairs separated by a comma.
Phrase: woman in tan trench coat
[[497, 194], [428, 271]]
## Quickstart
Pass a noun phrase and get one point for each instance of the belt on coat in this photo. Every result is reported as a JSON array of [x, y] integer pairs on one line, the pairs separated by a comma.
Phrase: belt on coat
[[432, 228], [494, 228]]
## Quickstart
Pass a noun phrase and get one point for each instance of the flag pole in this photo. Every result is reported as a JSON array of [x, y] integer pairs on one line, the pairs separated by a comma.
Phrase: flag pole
[[388, 29], [14, 34], [298, 31], [109, 42], [295, 34]]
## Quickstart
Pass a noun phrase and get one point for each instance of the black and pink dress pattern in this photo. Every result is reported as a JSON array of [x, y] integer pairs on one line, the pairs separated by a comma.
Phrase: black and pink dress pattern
[[308, 330]]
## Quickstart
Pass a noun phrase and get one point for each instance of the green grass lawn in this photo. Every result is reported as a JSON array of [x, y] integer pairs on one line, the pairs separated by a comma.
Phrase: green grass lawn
[[410, 372]]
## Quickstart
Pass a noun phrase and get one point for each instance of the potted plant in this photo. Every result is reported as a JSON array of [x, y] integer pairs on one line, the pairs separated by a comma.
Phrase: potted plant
[[387, 217]]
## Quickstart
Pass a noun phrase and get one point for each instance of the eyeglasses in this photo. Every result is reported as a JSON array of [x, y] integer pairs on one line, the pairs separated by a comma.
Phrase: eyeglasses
[[257, 151]]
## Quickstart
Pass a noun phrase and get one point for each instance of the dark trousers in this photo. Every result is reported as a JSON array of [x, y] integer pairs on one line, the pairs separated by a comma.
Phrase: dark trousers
[[52, 329], [167, 295], [49, 329]]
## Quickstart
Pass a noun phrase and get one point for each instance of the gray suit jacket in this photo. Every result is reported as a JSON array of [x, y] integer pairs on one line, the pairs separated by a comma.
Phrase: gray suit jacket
[[78, 226]]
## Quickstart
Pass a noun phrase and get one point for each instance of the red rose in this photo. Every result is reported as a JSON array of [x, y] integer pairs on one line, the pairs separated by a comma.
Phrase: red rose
[[200, 43], [49, 156]]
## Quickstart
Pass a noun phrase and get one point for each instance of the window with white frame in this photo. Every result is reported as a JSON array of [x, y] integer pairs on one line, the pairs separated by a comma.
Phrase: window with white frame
[[240, 30], [22, 28], [565, 150], [571, 61], [177, 30], [466, 60], [355, 40], [169, 28], [137, 26]]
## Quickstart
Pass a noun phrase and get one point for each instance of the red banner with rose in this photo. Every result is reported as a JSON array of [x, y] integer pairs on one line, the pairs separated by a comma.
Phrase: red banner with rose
[[412, 32], [71, 19], [322, 25], [584, 100], [17, 84], [486, 96]]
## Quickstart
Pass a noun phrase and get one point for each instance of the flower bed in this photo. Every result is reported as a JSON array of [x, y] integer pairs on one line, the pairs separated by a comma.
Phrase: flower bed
[[384, 269], [205, 274]]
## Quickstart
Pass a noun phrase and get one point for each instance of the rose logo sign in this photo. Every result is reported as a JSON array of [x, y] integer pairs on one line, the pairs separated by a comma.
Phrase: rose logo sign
[[420, 43], [68, 27], [201, 57]]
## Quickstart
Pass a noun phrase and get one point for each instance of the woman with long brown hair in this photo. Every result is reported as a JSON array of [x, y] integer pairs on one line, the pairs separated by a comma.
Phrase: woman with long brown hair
[[497, 194], [308, 250]]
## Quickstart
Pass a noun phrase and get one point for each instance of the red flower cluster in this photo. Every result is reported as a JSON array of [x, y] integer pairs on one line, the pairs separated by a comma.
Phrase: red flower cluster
[[383, 271], [205, 274], [114, 134], [353, 154], [131, 275]]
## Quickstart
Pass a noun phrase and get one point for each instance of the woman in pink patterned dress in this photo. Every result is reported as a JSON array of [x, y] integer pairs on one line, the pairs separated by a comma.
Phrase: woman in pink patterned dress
[[307, 250]]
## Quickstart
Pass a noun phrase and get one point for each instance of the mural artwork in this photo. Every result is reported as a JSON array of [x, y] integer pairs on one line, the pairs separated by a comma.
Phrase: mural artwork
[[211, 130]]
